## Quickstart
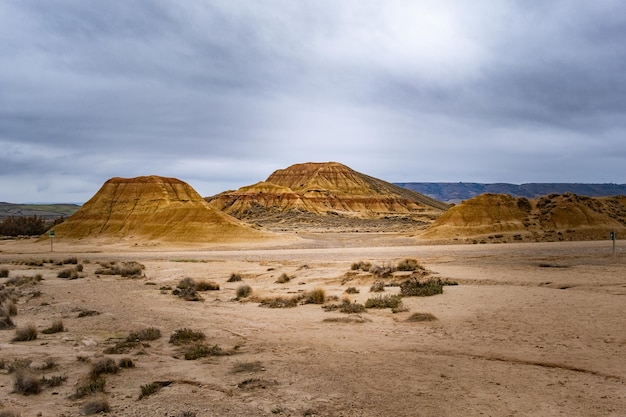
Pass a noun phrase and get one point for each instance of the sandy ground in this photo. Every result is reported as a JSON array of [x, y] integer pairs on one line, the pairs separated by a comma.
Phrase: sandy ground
[[532, 330]]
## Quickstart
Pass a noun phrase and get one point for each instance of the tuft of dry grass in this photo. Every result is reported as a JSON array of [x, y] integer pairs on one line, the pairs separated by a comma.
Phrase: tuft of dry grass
[[103, 366], [88, 385], [185, 336], [149, 333], [248, 367], [283, 278], [234, 277], [419, 317], [4, 273], [95, 406], [26, 333], [26, 383], [243, 291], [56, 327], [316, 296]]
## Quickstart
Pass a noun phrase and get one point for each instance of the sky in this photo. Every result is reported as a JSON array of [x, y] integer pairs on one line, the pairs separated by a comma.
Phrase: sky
[[221, 93]]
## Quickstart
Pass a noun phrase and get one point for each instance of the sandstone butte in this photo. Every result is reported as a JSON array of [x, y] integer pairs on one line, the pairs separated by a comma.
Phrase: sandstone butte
[[153, 208], [502, 218], [326, 188]]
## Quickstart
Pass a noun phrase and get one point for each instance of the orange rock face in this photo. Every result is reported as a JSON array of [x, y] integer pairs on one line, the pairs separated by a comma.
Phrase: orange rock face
[[324, 188], [152, 207]]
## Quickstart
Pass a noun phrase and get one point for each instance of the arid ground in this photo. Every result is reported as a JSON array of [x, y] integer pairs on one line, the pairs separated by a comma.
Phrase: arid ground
[[532, 329]]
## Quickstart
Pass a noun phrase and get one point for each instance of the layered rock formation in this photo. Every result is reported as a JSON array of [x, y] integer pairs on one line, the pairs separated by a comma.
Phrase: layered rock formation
[[502, 218], [153, 208], [326, 189]]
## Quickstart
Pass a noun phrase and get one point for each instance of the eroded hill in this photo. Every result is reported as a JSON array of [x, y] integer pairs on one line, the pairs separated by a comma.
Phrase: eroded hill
[[556, 217], [153, 208], [318, 196]]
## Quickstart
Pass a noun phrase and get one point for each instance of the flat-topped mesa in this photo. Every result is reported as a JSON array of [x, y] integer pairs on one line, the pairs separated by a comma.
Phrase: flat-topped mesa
[[153, 207], [327, 187], [500, 217]]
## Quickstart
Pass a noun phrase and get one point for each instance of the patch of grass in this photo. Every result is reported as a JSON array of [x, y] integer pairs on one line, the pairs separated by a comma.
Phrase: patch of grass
[[414, 288], [247, 367], [207, 286], [377, 286], [89, 385], [56, 327], [17, 365], [130, 269], [88, 313], [21, 281], [243, 291], [185, 336], [384, 301], [25, 333], [409, 264], [95, 406], [152, 388], [126, 363], [234, 277], [346, 307], [347, 319], [53, 381], [279, 302], [26, 383], [71, 260], [283, 279], [419, 317], [123, 346], [9, 309], [361, 265], [103, 366], [4, 273], [351, 290]]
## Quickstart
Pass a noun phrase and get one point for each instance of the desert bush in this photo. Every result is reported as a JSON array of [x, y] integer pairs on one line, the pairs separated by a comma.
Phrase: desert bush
[[149, 333], [99, 405], [417, 317], [187, 294], [279, 302], [207, 286], [234, 277], [409, 264], [20, 281], [201, 350], [185, 335], [345, 307], [88, 385], [4, 273], [6, 323], [126, 363], [152, 388], [25, 333], [243, 291], [316, 296], [384, 301], [53, 381], [17, 365], [414, 288], [103, 366], [55, 327], [88, 313], [351, 290], [26, 383], [71, 260], [9, 309], [377, 286], [186, 414], [185, 283], [361, 265], [79, 268], [381, 271], [348, 319], [69, 273], [241, 367], [283, 278], [124, 269], [123, 346]]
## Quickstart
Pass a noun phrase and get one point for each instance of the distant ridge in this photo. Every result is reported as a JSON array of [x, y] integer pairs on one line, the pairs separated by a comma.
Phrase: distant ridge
[[455, 192]]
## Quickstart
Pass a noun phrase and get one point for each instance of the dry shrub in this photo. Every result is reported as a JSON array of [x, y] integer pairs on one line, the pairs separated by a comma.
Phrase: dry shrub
[[26, 383], [9, 309], [316, 296], [279, 302], [201, 350], [88, 313], [126, 363], [347, 319], [55, 327], [152, 388], [377, 286], [4, 273], [414, 288], [241, 367], [384, 301], [352, 290], [6, 323], [418, 317], [283, 278], [234, 277], [88, 385], [103, 366], [125, 269], [26, 333], [207, 286], [409, 264], [71, 260], [68, 273], [361, 265], [243, 291], [149, 333], [95, 406], [53, 381], [185, 336], [346, 306]]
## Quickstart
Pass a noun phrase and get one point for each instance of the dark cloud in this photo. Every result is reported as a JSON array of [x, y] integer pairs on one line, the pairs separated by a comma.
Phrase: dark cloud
[[222, 93]]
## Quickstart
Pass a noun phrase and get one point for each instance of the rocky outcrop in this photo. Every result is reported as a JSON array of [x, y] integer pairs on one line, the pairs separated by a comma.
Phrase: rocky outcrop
[[153, 208], [326, 189], [502, 218]]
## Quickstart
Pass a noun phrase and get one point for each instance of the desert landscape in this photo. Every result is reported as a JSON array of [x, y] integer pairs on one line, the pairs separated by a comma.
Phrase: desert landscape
[[339, 301]]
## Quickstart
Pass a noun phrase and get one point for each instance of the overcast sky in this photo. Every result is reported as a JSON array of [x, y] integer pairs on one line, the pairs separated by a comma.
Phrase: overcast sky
[[220, 93]]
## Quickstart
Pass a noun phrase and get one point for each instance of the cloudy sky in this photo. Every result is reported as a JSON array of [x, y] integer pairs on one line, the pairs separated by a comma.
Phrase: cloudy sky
[[220, 93]]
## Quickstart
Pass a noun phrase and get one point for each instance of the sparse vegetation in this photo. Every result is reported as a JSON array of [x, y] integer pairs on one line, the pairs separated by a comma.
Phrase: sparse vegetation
[[185, 336], [88, 313], [152, 388], [283, 278], [68, 273], [409, 264], [95, 406], [234, 277], [378, 286], [280, 302], [4, 273], [243, 291], [149, 333], [56, 327], [71, 260], [418, 317], [89, 385], [384, 301], [130, 269], [25, 333], [351, 290], [361, 265], [207, 286], [201, 350], [316, 296], [26, 383], [53, 381], [126, 363], [103, 366], [250, 367], [346, 306], [414, 288]]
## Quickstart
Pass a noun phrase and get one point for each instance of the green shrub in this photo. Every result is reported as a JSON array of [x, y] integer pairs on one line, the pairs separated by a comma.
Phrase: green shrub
[[55, 327], [384, 301], [26, 333], [26, 383], [243, 291], [185, 335], [234, 278], [414, 288]]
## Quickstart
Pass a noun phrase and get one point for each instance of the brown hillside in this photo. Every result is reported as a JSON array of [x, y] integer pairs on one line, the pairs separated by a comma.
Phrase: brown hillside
[[152, 207], [325, 189], [499, 217]]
